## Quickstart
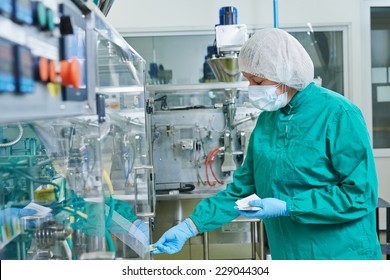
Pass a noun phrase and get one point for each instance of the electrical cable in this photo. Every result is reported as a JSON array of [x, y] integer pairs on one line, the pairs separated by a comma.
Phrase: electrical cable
[[110, 187], [76, 212]]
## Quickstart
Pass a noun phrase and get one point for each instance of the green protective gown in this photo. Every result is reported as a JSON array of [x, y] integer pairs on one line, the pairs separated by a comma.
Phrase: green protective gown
[[314, 154], [98, 218]]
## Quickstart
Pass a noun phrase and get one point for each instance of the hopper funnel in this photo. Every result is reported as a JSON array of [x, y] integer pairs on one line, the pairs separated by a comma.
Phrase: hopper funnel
[[225, 68]]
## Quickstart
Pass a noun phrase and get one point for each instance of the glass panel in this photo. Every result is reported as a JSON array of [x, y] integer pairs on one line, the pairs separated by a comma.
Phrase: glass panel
[[380, 63], [95, 209], [52, 166], [326, 50], [184, 57], [118, 63], [117, 67], [127, 169], [174, 59]]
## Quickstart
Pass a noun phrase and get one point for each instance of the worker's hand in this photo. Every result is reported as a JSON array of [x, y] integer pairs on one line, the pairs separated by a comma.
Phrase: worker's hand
[[7, 213], [270, 208], [139, 225], [173, 239]]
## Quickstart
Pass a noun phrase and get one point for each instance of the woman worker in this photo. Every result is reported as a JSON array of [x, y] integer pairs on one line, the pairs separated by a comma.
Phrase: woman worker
[[309, 159]]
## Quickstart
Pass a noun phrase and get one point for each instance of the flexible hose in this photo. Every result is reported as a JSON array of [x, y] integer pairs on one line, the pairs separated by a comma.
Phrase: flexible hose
[[216, 151], [208, 159], [110, 187], [209, 163], [17, 139]]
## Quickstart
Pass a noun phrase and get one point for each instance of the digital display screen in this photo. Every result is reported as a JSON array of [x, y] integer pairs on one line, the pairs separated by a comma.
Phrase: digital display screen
[[6, 59], [7, 67], [6, 7], [23, 11], [25, 76]]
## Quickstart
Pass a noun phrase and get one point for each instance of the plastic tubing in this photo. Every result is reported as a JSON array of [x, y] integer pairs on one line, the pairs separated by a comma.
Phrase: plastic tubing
[[209, 163], [207, 173], [17, 139], [276, 20], [213, 154]]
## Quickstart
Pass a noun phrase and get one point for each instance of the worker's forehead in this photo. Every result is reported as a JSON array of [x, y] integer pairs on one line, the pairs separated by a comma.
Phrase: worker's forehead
[[251, 76]]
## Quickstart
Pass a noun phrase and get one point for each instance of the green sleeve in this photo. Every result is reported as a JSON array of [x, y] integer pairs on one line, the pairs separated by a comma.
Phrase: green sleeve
[[123, 208], [214, 212], [355, 194]]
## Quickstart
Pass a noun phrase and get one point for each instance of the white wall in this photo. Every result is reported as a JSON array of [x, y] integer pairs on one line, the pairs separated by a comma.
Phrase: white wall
[[174, 15], [156, 16]]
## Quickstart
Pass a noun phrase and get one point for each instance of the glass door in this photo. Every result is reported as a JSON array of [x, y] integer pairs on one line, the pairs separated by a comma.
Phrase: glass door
[[126, 170]]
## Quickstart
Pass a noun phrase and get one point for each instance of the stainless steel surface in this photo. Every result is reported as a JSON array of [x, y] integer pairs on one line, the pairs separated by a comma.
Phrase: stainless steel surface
[[190, 89], [206, 245], [225, 69], [253, 239], [183, 138], [253, 231], [239, 239], [261, 238]]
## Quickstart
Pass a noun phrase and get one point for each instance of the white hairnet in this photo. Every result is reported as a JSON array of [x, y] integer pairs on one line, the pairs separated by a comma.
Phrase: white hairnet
[[275, 55]]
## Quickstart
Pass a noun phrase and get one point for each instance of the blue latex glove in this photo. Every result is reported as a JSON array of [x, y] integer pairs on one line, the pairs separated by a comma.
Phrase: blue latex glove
[[15, 212], [173, 239], [141, 226], [140, 231], [270, 208]]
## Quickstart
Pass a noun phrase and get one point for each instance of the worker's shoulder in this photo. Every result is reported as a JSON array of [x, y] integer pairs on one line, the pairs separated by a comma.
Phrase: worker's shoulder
[[334, 101]]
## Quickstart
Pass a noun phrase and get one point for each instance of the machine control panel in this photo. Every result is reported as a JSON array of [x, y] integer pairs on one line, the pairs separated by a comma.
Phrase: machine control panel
[[38, 78]]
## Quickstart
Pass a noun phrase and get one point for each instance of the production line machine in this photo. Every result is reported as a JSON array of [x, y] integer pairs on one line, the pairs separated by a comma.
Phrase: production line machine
[[200, 135], [87, 145], [73, 139], [197, 124]]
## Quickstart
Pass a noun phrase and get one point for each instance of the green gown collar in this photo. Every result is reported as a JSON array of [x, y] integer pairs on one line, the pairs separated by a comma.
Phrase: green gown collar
[[297, 100]]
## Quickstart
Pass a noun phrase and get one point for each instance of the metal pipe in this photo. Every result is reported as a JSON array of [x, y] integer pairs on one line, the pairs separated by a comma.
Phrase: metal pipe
[[205, 246], [253, 239], [261, 240], [245, 119]]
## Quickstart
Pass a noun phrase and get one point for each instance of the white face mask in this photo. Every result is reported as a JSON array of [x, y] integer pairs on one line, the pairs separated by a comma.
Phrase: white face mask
[[265, 97]]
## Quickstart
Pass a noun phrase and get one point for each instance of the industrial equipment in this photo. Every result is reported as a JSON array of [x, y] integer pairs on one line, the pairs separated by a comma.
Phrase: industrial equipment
[[126, 152], [200, 135], [73, 143], [43, 61]]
